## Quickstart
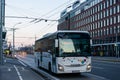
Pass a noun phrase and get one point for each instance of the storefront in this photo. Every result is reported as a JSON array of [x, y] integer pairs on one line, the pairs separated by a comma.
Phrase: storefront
[[108, 49]]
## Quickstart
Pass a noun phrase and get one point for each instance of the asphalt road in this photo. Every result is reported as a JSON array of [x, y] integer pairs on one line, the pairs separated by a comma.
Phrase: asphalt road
[[101, 70], [14, 69], [108, 70]]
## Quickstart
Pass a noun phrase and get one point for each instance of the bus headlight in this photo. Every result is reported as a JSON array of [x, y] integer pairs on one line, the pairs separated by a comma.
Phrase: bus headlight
[[88, 66], [60, 67]]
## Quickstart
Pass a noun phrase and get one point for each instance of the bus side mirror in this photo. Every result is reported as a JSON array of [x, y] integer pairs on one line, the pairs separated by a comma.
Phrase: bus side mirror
[[49, 51], [56, 42]]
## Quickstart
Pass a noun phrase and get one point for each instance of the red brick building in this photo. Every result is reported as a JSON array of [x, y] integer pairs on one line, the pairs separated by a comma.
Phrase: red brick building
[[101, 18]]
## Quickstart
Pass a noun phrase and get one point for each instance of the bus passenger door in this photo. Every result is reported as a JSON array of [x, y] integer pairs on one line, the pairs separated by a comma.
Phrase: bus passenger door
[[53, 59], [40, 58]]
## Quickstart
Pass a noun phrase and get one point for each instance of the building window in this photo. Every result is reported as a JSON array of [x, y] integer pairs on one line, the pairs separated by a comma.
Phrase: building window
[[111, 20], [118, 29], [98, 25], [101, 6], [114, 1], [107, 12], [107, 22], [107, 31], [104, 23], [101, 15], [98, 33], [111, 2], [98, 16], [110, 11], [107, 3], [114, 10], [118, 8], [114, 19], [104, 31], [114, 29], [118, 18], [104, 13]]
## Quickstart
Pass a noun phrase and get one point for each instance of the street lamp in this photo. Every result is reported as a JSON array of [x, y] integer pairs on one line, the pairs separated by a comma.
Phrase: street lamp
[[13, 29]]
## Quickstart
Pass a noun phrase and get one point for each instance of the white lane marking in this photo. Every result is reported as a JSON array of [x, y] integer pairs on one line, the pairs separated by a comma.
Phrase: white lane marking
[[97, 67], [96, 76], [22, 63], [9, 69], [18, 73]]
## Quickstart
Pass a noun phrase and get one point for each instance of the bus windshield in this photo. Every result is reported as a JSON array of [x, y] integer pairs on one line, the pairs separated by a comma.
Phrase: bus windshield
[[74, 47]]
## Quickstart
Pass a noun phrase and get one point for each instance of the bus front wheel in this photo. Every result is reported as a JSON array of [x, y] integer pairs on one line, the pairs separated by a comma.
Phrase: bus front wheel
[[49, 68]]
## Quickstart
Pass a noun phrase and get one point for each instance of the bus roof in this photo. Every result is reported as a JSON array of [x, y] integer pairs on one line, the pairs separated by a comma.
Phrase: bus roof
[[76, 31], [63, 31]]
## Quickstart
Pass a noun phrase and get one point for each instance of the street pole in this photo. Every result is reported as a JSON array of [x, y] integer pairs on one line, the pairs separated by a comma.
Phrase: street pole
[[2, 18], [14, 37], [117, 54], [1, 49], [13, 41]]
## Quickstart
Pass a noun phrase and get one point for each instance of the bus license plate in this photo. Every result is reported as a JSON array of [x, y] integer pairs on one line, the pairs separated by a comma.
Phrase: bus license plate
[[76, 71]]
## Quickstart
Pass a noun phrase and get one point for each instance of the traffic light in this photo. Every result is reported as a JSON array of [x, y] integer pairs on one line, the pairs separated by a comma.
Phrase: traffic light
[[3, 35]]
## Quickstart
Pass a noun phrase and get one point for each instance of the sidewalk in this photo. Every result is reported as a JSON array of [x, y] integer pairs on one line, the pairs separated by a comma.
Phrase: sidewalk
[[7, 71], [29, 60], [110, 59]]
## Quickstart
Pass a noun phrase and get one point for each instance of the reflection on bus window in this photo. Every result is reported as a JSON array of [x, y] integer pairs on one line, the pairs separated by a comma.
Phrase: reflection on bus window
[[74, 47]]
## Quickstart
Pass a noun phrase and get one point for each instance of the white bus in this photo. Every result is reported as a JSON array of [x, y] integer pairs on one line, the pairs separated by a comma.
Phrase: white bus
[[64, 52]]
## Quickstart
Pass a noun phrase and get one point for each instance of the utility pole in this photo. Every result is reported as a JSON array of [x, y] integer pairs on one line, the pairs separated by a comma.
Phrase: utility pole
[[2, 20], [1, 51], [13, 29]]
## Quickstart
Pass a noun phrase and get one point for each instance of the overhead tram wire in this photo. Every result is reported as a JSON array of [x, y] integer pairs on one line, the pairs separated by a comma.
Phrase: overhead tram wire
[[47, 27], [52, 11], [57, 8], [53, 14], [40, 19], [46, 14], [50, 16], [21, 17], [29, 18]]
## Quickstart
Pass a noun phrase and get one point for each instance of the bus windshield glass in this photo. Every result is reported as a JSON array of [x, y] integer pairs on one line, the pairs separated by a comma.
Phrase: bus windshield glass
[[74, 45]]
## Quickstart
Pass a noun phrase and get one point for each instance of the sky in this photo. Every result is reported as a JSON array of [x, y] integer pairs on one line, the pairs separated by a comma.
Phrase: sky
[[27, 31]]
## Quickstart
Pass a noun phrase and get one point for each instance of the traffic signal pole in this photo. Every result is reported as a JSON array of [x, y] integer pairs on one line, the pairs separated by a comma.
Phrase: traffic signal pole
[[1, 44], [2, 21]]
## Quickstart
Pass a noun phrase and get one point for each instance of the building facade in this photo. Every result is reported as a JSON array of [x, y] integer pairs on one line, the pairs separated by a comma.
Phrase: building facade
[[102, 19]]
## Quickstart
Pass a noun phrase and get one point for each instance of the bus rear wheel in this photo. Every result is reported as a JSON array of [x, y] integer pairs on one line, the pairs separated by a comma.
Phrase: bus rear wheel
[[49, 68], [38, 63]]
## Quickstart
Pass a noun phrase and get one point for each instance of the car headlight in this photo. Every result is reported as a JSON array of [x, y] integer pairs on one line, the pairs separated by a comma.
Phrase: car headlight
[[60, 67], [88, 66]]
